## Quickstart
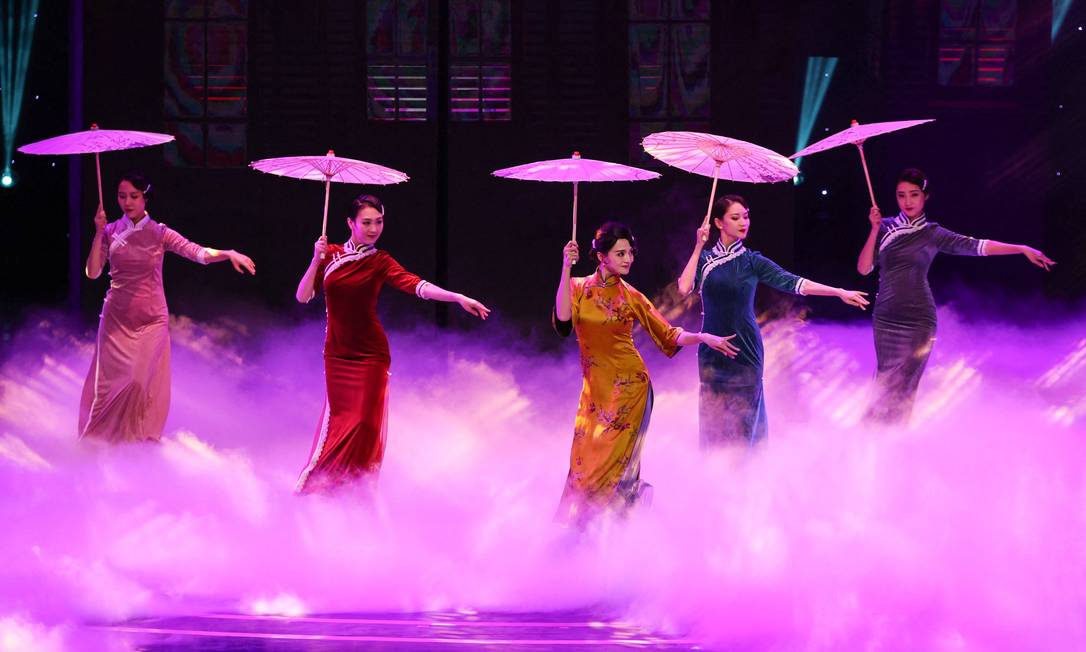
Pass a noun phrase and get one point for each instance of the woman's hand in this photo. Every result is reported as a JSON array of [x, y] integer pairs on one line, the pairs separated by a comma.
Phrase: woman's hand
[[473, 306], [1037, 258], [853, 298], [100, 220], [241, 262], [722, 344], [320, 247], [570, 254], [875, 217], [702, 237]]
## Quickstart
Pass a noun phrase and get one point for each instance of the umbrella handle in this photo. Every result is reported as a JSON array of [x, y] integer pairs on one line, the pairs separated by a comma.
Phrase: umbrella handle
[[867, 175], [574, 237], [98, 169], [324, 222], [712, 195]]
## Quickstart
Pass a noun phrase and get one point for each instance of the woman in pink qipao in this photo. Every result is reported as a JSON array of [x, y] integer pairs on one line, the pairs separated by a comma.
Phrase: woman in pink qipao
[[127, 392]]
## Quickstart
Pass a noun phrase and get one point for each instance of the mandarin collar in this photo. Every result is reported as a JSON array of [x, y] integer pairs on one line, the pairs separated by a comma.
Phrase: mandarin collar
[[904, 220], [129, 225], [351, 247], [608, 282], [722, 249]]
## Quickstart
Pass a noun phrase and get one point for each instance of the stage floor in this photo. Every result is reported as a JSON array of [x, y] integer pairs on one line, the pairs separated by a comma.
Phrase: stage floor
[[220, 632]]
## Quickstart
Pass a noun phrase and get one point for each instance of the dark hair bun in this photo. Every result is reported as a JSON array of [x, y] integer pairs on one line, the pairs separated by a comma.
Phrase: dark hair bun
[[724, 203], [138, 180], [366, 201], [915, 177], [609, 234]]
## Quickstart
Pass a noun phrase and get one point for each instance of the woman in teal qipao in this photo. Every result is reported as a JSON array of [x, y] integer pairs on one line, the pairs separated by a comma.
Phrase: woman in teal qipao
[[731, 402]]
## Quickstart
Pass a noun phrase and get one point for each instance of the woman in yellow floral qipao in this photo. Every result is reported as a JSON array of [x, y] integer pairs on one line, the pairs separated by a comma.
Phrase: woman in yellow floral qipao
[[616, 398]]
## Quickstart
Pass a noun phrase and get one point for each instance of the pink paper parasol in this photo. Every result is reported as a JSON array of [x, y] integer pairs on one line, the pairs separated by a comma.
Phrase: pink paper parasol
[[719, 157], [856, 134], [329, 168], [95, 141], [575, 170]]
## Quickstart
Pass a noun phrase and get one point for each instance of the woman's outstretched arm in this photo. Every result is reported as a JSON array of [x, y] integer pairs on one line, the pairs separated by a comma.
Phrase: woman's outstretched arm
[[997, 248]]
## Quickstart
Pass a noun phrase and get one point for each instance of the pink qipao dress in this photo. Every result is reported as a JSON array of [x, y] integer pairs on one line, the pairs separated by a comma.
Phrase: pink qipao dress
[[126, 396]]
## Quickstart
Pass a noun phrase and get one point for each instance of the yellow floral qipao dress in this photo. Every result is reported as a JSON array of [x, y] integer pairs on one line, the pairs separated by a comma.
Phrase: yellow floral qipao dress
[[616, 398]]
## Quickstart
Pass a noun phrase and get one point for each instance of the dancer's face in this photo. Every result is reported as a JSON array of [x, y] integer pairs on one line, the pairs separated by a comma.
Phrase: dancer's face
[[131, 201], [367, 225], [735, 223], [619, 259], [910, 199]]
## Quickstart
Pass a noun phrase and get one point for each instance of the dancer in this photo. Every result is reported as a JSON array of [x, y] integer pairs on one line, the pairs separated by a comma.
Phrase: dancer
[[616, 397], [350, 437], [904, 316], [731, 400], [126, 395]]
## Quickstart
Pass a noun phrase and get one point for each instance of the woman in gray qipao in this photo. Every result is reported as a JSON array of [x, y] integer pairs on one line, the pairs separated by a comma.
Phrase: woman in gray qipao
[[903, 247]]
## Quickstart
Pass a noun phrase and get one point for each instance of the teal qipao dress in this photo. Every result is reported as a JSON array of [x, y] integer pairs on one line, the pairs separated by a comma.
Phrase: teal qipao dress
[[731, 403]]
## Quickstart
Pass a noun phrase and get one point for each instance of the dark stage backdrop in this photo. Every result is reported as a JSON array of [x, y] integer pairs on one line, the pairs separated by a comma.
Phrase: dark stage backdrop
[[302, 77]]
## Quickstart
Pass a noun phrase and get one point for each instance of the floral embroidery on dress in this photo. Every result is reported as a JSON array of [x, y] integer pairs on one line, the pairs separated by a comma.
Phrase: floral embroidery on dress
[[615, 401]]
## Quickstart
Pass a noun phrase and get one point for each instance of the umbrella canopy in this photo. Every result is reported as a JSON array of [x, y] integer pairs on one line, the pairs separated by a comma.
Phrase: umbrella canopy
[[719, 157], [856, 134], [94, 141], [726, 158], [329, 168], [575, 170]]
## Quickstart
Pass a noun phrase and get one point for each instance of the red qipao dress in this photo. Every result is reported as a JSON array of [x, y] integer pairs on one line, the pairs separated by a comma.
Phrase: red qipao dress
[[350, 437]]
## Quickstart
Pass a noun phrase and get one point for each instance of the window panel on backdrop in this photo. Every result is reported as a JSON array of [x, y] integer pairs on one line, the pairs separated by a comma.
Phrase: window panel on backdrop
[[669, 46], [397, 76], [206, 82], [480, 44], [399, 79], [976, 42]]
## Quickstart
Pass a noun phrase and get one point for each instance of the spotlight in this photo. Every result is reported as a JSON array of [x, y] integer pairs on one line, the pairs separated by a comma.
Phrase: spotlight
[[824, 192], [6, 180], [819, 74]]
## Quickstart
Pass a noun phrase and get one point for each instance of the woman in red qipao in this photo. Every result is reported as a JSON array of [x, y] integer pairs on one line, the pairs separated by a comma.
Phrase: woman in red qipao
[[350, 439]]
